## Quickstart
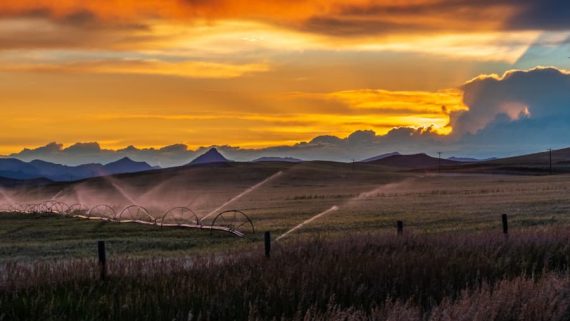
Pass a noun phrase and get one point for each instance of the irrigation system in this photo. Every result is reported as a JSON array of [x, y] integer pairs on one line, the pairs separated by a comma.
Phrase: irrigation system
[[235, 222]]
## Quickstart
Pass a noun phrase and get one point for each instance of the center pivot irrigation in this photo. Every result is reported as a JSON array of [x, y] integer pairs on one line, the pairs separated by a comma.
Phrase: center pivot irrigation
[[234, 222]]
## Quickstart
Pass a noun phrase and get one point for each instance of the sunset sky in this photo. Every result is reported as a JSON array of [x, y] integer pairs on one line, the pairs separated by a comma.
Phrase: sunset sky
[[255, 74]]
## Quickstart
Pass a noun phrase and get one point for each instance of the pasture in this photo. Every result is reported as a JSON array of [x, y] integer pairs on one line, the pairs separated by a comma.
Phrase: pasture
[[368, 199], [344, 262]]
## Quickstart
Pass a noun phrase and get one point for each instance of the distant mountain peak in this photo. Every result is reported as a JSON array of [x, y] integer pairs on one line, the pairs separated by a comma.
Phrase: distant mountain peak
[[125, 159], [41, 161], [210, 157]]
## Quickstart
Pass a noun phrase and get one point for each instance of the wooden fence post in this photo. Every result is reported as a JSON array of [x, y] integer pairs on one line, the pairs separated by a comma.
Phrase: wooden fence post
[[267, 244], [400, 227], [505, 224], [102, 260]]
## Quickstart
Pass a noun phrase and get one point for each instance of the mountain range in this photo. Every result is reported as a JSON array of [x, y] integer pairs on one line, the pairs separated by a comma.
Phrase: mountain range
[[13, 170], [16, 169]]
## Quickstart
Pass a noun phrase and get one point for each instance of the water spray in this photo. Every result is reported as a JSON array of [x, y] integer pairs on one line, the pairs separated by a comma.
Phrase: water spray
[[242, 194], [119, 189], [56, 196], [332, 209], [9, 199]]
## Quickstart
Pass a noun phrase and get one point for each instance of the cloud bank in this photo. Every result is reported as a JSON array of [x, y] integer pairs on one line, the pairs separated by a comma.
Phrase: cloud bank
[[521, 111]]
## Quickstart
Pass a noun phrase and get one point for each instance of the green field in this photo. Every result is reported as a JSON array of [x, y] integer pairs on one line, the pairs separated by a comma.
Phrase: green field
[[369, 199], [48, 237]]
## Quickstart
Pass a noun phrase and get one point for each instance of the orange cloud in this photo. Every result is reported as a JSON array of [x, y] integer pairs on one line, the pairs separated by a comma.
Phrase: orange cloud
[[144, 9], [338, 17]]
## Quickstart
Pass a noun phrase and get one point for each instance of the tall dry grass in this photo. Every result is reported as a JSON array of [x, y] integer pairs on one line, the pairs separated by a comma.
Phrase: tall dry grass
[[361, 277]]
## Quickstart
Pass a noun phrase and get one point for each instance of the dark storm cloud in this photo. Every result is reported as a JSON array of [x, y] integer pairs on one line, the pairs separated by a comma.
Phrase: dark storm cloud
[[541, 15], [348, 26], [390, 18], [443, 15]]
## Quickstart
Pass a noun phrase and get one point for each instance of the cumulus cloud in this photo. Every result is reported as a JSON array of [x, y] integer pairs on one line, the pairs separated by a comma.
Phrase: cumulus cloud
[[82, 153], [356, 146], [520, 111], [538, 93]]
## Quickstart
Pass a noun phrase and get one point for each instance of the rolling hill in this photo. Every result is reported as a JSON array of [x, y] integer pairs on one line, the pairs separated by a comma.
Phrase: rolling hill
[[278, 159], [217, 180], [414, 161], [530, 164], [379, 157]]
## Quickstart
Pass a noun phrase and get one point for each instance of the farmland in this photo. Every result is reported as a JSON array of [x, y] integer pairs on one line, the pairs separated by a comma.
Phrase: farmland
[[368, 200], [347, 264]]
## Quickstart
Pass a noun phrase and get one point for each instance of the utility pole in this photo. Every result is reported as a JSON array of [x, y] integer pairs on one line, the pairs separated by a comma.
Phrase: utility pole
[[102, 260], [550, 161], [439, 162]]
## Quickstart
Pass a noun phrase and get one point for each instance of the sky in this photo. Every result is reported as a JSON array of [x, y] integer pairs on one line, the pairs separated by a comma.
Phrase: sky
[[161, 80]]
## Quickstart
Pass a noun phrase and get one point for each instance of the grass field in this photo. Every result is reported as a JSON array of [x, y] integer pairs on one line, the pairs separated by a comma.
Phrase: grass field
[[48, 237], [452, 262], [366, 203]]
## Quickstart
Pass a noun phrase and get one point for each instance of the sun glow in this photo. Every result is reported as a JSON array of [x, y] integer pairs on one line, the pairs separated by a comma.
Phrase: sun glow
[[252, 73]]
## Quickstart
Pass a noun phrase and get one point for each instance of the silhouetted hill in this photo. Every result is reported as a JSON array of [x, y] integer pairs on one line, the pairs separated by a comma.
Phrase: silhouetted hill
[[212, 156], [535, 159], [414, 161], [531, 164], [278, 159], [126, 165], [19, 170], [379, 157], [59, 172], [469, 159], [10, 182]]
